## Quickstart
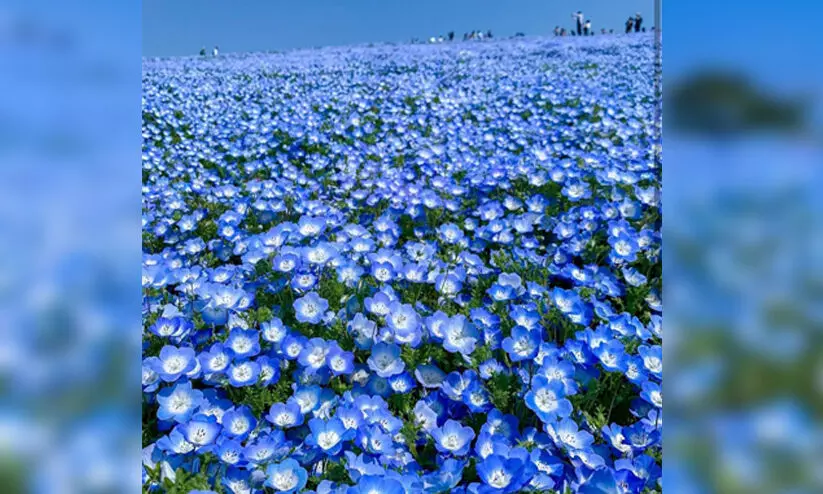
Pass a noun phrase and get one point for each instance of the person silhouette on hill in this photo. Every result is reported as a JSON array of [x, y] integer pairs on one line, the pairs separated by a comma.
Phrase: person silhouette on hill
[[578, 17]]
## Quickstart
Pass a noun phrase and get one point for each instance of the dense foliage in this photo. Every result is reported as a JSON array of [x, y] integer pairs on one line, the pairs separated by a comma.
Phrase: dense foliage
[[403, 269]]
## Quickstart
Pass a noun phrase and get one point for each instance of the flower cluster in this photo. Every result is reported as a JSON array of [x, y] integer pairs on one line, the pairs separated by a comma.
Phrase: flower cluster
[[403, 269]]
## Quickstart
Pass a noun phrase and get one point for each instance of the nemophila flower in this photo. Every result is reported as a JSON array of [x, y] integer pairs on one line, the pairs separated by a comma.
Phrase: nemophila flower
[[264, 448], [385, 360], [651, 393], [547, 399], [349, 274], [292, 345], [174, 362], [565, 433], [178, 403], [378, 304], [309, 226], [652, 359], [374, 440], [328, 435], [239, 422], [456, 214], [476, 397], [424, 416], [244, 373], [286, 262], [501, 293], [369, 484], [243, 343], [556, 369], [402, 383], [429, 376], [523, 344], [175, 442], [612, 356], [450, 233], [215, 360], [303, 282], [489, 368], [502, 474], [448, 284], [230, 452], [313, 355], [308, 398], [378, 386], [459, 335], [363, 330], [382, 272], [453, 438], [285, 415], [286, 477], [624, 247], [273, 331], [340, 362], [201, 430], [456, 383], [310, 308], [174, 328], [405, 323]]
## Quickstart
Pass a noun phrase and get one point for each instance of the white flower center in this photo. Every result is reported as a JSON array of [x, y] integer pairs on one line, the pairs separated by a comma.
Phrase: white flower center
[[284, 481], [174, 364], [499, 479], [327, 439], [179, 402]]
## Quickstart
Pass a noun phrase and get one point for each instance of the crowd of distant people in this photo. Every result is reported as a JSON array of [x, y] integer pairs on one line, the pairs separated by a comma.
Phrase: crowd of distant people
[[215, 52], [472, 35], [583, 26]]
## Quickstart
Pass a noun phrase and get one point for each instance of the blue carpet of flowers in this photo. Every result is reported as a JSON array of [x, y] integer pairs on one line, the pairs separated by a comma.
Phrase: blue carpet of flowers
[[403, 269]]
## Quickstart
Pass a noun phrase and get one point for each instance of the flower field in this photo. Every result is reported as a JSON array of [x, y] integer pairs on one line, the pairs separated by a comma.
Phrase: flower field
[[403, 269]]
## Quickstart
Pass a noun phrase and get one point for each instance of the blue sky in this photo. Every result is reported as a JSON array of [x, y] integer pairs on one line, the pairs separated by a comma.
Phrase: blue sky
[[181, 27]]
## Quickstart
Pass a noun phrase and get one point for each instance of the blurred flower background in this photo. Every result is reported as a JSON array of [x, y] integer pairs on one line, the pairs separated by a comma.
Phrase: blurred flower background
[[742, 262], [743, 251], [70, 247]]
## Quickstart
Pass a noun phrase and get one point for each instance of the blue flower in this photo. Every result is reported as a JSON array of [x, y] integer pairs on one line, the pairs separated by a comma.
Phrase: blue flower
[[174, 362], [243, 343], [313, 355], [369, 484], [612, 356], [216, 360], [178, 403], [450, 233], [405, 323], [239, 422], [547, 399], [500, 473], [201, 430], [459, 335], [652, 359], [340, 362], [523, 344], [385, 360], [429, 376], [310, 308], [566, 434], [363, 330], [328, 436], [453, 438], [243, 373], [286, 477], [285, 415]]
